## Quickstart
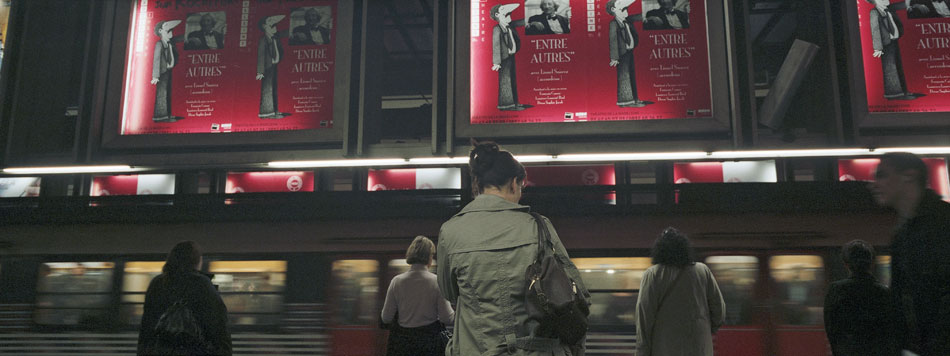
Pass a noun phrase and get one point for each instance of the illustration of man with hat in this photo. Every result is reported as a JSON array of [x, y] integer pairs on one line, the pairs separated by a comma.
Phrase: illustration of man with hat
[[269, 54], [164, 58], [505, 43], [623, 39]]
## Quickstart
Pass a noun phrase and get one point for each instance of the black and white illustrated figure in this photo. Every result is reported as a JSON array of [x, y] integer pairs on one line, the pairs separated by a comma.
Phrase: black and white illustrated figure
[[670, 15], [210, 31], [269, 54], [886, 31], [927, 9], [164, 59], [623, 40], [315, 29], [505, 44], [554, 18]]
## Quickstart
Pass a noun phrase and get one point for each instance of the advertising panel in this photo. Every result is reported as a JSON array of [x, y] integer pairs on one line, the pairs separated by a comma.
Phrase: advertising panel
[[20, 187], [141, 184], [725, 172], [862, 169], [905, 49], [414, 178], [547, 61], [260, 182], [220, 66]]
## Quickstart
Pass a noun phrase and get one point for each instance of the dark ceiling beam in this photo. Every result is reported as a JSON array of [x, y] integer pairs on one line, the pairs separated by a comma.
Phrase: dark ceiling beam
[[427, 9], [402, 29], [777, 16]]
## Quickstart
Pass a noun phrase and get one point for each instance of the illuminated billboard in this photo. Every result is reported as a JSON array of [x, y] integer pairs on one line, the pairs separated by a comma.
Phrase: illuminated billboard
[[229, 66], [576, 61]]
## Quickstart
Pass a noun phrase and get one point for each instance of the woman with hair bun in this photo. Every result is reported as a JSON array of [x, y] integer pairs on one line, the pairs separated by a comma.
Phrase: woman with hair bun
[[484, 251], [679, 306]]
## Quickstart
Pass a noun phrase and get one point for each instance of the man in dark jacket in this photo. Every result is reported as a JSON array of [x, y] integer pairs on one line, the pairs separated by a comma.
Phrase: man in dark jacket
[[207, 37], [920, 252], [548, 22], [859, 312], [181, 282]]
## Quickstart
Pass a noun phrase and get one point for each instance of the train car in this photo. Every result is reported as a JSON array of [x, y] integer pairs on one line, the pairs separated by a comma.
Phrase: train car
[[307, 273]]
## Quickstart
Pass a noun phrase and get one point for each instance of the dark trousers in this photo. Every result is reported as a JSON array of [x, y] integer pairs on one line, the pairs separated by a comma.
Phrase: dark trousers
[[420, 341], [507, 84], [163, 97], [626, 80]]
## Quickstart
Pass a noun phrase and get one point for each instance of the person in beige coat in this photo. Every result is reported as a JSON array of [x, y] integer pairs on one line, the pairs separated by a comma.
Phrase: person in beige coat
[[679, 306]]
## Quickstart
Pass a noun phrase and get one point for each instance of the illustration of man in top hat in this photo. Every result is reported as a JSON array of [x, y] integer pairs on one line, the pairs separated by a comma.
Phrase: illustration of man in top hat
[[164, 58], [505, 44], [269, 54], [623, 39]]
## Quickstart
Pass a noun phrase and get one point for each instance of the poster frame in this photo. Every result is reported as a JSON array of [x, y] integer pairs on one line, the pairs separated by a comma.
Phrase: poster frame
[[111, 111], [863, 118], [721, 92]]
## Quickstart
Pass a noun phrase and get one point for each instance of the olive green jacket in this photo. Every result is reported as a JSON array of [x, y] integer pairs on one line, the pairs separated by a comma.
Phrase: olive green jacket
[[483, 253]]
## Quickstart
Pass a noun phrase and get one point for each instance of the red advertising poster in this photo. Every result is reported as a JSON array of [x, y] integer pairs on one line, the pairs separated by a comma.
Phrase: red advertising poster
[[141, 184], [725, 172], [536, 61], [412, 178], [218, 66], [905, 46], [570, 176], [260, 182], [862, 169]]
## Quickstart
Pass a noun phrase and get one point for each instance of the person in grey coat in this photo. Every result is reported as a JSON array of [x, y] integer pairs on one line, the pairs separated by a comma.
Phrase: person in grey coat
[[679, 306], [484, 251]]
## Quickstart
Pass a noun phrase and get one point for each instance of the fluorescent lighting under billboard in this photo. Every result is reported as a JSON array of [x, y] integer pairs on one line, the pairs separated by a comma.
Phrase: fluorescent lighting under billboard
[[68, 169], [340, 163]]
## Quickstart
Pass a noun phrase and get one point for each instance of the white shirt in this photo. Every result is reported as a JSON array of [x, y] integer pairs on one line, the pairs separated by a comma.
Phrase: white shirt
[[415, 295], [555, 25]]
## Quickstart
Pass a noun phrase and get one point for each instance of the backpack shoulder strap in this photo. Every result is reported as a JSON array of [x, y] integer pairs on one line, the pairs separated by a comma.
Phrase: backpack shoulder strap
[[544, 238]]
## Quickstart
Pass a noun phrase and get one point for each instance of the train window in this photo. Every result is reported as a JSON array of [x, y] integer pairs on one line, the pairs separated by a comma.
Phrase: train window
[[398, 266], [135, 281], [613, 283], [357, 287], [799, 282], [882, 266], [252, 290], [736, 277], [71, 293]]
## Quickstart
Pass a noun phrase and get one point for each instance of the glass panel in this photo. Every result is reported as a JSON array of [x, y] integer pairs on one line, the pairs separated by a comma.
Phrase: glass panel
[[799, 282], [882, 265], [613, 308], [253, 319], [358, 286], [19, 187], [69, 316], [622, 273], [75, 277], [249, 276], [253, 303], [139, 274], [736, 276]]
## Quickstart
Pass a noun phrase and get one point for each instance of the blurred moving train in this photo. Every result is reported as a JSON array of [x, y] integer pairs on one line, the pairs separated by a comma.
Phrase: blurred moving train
[[307, 273]]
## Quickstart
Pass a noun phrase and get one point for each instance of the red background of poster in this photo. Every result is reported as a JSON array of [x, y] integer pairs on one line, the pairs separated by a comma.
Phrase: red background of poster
[[260, 182], [571, 176], [914, 68], [862, 169], [391, 179], [115, 185], [235, 93], [697, 172], [590, 82]]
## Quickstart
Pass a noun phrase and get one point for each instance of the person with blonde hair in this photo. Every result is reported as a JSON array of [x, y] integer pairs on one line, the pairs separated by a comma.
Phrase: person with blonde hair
[[414, 307]]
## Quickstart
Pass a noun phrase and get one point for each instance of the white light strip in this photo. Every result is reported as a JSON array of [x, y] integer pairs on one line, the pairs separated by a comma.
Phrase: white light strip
[[340, 163], [833, 152], [646, 156], [915, 150], [438, 160], [68, 169]]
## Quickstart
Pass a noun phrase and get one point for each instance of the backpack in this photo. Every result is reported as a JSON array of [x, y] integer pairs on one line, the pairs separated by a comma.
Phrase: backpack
[[178, 332], [553, 298]]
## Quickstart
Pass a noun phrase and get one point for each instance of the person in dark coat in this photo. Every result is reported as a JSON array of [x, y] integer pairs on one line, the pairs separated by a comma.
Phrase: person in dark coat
[[924, 9], [623, 39], [920, 252], [313, 32], [860, 317], [269, 54], [164, 59], [182, 281], [505, 45]]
